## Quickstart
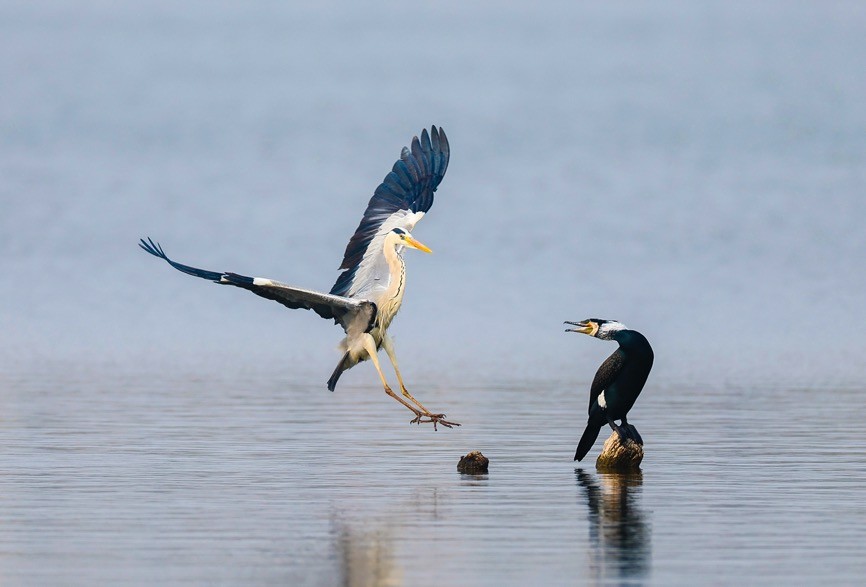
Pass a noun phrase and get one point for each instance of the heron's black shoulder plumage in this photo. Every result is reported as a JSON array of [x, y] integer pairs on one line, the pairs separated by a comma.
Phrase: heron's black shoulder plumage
[[408, 187]]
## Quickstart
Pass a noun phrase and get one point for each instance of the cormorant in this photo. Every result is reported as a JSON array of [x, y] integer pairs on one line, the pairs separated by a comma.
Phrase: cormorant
[[617, 382]]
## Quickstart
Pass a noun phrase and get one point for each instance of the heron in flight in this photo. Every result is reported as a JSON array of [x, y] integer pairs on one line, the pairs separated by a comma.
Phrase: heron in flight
[[369, 291]]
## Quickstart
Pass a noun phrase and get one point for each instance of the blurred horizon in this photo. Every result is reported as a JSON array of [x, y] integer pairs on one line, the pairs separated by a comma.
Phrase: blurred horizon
[[695, 171]]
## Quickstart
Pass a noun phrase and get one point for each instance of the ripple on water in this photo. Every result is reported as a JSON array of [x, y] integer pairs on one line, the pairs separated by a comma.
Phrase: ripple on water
[[171, 480]]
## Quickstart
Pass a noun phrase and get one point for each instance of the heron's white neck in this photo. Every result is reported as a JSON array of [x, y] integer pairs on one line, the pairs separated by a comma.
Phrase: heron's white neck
[[393, 295], [396, 270]]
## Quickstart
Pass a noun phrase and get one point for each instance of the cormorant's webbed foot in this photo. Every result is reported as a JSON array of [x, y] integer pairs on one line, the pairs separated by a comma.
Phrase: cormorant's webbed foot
[[624, 436], [626, 431], [634, 434]]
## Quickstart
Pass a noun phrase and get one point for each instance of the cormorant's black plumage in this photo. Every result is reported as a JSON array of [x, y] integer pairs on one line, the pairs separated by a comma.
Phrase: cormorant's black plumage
[[620, 379]]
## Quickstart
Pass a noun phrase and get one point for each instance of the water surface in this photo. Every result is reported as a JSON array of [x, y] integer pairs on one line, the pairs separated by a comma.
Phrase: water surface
[[133, 481], [693, 170]]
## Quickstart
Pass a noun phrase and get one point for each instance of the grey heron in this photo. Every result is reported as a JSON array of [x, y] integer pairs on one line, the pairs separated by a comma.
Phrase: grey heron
[[369, 291]]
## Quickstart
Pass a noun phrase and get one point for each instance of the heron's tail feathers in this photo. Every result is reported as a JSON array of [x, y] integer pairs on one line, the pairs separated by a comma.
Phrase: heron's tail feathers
[[587, 440], [345, 363]]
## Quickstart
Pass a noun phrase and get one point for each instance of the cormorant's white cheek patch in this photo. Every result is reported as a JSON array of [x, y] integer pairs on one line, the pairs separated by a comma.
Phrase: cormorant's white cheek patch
[[607, 330], [262, 281], [601, 401]]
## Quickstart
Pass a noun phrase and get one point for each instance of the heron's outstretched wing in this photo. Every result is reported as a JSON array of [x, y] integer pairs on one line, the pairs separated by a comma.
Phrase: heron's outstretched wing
[[606, 374], [403, 197], [355, 316]]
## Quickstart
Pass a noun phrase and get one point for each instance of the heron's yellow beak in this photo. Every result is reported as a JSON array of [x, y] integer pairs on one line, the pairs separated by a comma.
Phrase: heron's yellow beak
[[411, 242], [584, 327]]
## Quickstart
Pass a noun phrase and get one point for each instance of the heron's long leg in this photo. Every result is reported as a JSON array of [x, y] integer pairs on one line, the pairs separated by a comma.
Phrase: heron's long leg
[[370, 347], [388, 345]]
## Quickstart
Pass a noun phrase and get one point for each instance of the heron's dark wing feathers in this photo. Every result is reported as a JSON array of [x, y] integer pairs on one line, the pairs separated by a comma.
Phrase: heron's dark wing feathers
[[353, 315], [156, 250], [606, 375], [399, 201]]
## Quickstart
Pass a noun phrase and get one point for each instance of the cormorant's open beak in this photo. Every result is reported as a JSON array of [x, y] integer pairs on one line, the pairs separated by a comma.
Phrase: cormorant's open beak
[[417, 245], [583, 327]]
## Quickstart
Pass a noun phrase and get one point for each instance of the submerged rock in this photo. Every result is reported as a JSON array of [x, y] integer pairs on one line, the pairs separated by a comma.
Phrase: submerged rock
[[619, 455], [473, 463]]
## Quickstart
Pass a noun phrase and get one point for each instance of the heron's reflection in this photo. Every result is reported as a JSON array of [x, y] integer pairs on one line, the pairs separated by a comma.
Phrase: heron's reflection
[[365, 544], [618, 529], [366, 555]]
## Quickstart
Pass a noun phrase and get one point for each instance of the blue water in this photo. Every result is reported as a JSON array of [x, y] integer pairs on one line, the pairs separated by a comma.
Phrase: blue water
[[696, 171]]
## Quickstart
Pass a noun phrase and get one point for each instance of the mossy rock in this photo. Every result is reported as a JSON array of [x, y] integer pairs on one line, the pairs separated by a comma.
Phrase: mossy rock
[[473, 463]]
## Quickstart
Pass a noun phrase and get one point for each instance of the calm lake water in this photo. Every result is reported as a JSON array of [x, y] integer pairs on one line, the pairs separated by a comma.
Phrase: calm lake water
[[248, 480], [696, 171]]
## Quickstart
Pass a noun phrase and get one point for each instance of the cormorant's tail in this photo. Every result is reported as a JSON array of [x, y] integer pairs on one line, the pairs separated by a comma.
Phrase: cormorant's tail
[[587, 440], [344, 364]]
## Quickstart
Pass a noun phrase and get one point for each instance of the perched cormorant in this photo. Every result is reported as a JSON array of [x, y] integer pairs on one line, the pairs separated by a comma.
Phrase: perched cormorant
[[617, 382]]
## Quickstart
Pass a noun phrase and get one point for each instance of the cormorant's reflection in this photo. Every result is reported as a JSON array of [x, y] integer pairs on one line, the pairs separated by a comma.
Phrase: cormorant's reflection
[[618, 529]]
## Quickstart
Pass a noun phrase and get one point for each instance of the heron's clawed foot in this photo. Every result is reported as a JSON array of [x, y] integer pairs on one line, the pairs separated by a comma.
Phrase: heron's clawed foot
[[422, 414], [427, 416], [437, 419]]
